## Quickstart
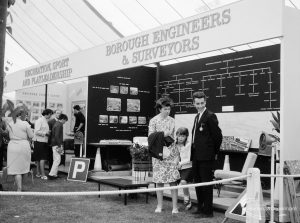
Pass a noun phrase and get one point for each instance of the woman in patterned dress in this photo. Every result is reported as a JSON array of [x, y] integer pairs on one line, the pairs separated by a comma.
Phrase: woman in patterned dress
[[166, 170]]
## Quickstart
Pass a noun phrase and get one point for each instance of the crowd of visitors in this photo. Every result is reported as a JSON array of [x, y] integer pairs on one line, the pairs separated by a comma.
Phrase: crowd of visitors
[[23, 143], [175, 159]]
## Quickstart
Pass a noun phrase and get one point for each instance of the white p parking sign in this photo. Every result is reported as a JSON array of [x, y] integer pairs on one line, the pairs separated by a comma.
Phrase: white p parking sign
[[78, 170]]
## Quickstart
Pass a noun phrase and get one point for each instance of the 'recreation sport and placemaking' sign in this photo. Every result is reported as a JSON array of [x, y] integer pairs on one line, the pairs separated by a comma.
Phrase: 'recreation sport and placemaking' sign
[[53, 71], [227, 26]]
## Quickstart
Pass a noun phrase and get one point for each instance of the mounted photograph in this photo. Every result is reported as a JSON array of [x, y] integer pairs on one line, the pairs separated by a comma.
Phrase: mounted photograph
[[113, 104]]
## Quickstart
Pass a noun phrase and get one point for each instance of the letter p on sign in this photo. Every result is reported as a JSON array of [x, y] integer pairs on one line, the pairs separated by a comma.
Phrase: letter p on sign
[[78, 169]]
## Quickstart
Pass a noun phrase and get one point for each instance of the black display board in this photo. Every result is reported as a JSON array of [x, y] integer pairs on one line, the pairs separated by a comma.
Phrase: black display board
[[120, 104], [247, 81]]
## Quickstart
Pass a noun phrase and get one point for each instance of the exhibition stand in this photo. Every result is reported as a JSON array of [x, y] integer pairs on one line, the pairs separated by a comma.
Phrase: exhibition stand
[[243, 87]]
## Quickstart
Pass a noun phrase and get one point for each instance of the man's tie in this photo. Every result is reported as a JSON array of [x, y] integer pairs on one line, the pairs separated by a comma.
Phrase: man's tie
[[195, 124]]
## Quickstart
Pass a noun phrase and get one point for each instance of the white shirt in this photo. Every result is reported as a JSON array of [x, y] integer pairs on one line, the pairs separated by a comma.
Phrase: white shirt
[[185, 156], [41, 127], [200, 114]]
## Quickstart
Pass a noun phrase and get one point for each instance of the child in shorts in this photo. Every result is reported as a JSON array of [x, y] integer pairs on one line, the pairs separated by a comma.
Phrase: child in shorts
[[185, 164]]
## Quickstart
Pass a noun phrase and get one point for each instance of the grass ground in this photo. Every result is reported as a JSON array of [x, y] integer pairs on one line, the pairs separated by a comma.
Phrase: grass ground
[[65, 209]]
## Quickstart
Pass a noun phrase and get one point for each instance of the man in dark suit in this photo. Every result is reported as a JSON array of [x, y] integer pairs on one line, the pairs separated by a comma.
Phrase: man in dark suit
[[206, 141]]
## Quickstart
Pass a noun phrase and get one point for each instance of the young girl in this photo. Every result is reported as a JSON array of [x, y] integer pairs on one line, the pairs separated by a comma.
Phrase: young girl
[[185, 165]]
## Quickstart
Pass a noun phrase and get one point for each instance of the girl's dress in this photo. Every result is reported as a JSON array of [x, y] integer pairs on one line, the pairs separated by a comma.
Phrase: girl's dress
[[166, 170]]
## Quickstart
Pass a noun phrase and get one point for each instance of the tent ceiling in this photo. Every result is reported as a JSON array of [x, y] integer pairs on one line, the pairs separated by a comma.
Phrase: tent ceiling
[[39, 31]]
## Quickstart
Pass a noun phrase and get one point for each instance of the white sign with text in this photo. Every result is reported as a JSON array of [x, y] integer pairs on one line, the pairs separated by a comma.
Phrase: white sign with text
[[235, 24]]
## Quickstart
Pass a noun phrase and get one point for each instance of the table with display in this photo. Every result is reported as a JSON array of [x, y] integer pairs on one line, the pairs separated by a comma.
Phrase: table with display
[[122, 183]]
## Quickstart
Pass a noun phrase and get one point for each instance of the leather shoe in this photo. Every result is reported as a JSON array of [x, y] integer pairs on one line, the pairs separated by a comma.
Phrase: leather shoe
[[196, 212], [202, 215], [52, 177]]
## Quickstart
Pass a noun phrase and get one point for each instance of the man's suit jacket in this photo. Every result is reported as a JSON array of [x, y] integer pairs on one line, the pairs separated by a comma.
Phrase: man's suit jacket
[[207, 137], [51, 123]]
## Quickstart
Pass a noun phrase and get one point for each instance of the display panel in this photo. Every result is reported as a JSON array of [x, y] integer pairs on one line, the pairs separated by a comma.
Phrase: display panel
[[242, 89], [120, 104], [237, 82]]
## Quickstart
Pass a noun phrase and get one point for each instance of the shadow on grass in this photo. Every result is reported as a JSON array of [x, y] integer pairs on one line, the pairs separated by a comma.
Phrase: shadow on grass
[[65, 209]]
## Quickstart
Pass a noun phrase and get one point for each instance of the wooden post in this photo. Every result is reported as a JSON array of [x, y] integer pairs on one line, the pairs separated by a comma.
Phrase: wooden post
[[157, 81]]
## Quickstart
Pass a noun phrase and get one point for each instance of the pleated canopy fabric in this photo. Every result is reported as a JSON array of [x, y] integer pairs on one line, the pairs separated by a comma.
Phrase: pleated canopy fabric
[[39, 31]]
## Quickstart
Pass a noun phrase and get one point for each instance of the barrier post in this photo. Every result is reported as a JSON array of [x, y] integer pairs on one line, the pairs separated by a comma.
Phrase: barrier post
[[98, 164], [226, 165], [255, 212]]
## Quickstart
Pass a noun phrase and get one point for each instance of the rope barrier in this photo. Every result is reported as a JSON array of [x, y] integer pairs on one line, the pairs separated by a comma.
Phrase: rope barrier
[[81, 193], [282, 175], [84, 193]]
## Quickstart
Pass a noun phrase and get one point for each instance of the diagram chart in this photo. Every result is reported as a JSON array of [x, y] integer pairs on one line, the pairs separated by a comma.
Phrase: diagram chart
[[242, 81]]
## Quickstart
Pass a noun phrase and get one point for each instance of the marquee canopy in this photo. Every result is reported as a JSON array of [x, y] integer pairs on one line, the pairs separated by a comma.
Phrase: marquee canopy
[[40, 31]]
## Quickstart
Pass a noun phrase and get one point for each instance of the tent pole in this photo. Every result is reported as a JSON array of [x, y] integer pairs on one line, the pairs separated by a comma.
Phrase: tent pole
[[46, 95], [3, 14]]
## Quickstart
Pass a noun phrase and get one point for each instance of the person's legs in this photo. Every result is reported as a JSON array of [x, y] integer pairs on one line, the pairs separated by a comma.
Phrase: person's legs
[[174, 194], [42, 168], [1, 157], [197, 179], [207, 176], [4, 149], [159, 195], [50, 157], [56, 162], [18, 180], [77, 150], [38, 168], [186, 192], [37, 157], [186, 196], [44, 153]]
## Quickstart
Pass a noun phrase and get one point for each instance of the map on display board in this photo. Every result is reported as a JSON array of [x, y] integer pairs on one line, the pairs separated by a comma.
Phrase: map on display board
[[242, 89], [237, 82]]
